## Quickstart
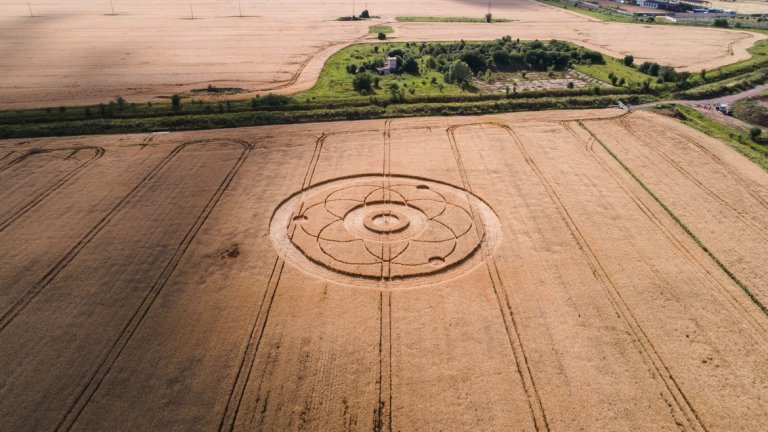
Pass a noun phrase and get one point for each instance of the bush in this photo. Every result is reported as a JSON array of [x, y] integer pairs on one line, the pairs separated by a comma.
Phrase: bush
[[270, 100], [720, 22], [365, 14], [363, 82], [351, 69], [382, 36], [176, 101], [629, 60], [459, 72], [649, 68], [488, 17], [755, 133]]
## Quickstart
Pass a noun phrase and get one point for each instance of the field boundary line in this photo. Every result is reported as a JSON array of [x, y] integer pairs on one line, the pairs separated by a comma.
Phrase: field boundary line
[[680, 223], [756, 225], [535, 406], [29, 205], [140, 313], [645, 344], [382, 420], [243, 376], [731, 300], [727, 167], [10, 314]]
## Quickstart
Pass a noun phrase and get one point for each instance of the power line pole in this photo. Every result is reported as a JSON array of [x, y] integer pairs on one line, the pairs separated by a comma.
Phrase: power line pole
[[112, 5], [353, 10], [191, 12], [30, 10], [240, 8]]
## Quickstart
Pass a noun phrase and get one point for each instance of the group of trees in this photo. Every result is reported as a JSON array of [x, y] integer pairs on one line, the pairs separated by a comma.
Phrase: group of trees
[[459, 62], [666, 74]]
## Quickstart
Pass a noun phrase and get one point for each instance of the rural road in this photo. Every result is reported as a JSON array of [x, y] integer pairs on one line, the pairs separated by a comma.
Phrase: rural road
[[699, 102], [705, 106]]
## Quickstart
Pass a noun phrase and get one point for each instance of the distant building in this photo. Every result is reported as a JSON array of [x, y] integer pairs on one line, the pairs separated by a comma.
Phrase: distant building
[[649, 4], [675, 6], [390, 66]]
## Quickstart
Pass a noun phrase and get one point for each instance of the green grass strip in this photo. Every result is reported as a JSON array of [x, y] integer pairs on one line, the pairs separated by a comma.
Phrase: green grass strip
[[679, 222], [380, 29], [447, 19]]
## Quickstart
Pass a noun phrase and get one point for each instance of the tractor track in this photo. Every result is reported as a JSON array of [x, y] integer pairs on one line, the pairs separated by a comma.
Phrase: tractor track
[[674, 395], [29, 205], [129, 329], [533, 398], [13, 311], [731, 301], [759, 228]]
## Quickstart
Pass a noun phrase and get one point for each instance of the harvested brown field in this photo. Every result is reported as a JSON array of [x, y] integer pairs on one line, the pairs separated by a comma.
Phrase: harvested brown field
[[527, 271], [74, 53]]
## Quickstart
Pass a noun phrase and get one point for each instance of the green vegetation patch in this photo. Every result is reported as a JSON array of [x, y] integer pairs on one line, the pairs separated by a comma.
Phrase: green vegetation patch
[[437, 69], [753, 110], [613, 67], [425, 19], [380, 29]]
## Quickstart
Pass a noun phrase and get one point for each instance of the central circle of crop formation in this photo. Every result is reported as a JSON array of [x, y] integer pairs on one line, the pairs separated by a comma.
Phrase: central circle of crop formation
[[384, 231]]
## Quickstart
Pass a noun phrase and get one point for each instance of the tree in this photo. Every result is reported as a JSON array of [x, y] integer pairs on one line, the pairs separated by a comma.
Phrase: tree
[[176, 101], [120, 103], [667, 73], [410, 65], [363, 82], [365, 14], [654, 70], [488, 17], [459, 72], [629, 60], [382, 36], [755, 133], [475, 60], [501, 58]]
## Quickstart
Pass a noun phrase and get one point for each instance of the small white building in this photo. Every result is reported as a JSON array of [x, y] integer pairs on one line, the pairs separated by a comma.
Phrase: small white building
[[390, 66]]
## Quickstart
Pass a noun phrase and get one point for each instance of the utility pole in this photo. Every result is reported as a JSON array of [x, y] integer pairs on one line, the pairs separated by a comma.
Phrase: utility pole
[[30, 10], [191, 12], [353, 10], [240, 8], [112, 5]]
